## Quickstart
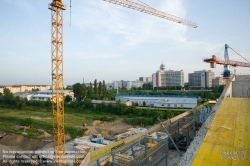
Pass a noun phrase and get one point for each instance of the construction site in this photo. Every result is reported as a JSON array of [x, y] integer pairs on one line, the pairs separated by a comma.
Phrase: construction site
[[213, 133], [201, 136]]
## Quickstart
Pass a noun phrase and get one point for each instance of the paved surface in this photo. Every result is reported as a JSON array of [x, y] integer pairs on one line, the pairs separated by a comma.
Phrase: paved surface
[[227, 141]]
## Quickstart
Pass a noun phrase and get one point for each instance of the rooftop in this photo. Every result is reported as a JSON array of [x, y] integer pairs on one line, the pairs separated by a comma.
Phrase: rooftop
[[227, 141], [163, 96]]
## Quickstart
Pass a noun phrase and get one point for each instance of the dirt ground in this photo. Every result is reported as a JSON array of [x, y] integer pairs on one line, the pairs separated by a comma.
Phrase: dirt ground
[[113, 128], [22, 142], [12, 142]]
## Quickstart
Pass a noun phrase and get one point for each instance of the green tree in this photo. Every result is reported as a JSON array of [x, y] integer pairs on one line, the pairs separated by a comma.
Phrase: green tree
[[68, 98], [8, 96], [1, 94], [79, 91], [88, 103], [69, 87], [90, 90], [100, 88], [110, 108], [144, 103], [19, 103], [104, 88], [95, 86]]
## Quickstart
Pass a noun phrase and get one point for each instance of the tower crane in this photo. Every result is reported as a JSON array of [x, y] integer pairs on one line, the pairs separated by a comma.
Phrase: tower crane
[[149, 10], [57, 8], [226, 62]]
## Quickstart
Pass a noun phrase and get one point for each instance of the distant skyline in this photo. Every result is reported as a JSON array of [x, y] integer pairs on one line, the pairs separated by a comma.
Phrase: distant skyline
[[109, 42]]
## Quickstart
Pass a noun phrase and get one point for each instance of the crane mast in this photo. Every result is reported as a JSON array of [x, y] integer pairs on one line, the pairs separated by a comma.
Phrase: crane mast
[[149, 10], [226, 72], [57, 8]]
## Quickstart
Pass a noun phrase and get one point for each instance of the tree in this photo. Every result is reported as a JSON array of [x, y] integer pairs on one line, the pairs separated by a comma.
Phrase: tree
[[90, 90], [88, 103], [95, 86], [79, 91], [19, 103], [144, 103], [8, 96], [110, 107], [100, 88], [68, 98], [104, 88], [1, 94], [69, 87]]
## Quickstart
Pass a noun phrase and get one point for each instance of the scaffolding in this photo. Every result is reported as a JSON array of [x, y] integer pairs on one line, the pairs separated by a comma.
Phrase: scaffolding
[[146, 151]]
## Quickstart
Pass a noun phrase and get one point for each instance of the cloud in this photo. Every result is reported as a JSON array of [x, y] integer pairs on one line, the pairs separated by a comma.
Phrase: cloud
[[134, 27]]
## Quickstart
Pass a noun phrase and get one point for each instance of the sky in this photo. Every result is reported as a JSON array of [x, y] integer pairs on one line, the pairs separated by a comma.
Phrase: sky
[[110, 42]]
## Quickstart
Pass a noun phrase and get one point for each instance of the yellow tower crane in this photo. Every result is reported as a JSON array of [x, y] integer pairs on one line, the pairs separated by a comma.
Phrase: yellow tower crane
[[57, 8]]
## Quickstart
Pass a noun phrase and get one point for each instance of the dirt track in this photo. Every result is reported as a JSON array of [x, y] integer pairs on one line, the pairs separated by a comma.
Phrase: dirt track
[[113, 128]]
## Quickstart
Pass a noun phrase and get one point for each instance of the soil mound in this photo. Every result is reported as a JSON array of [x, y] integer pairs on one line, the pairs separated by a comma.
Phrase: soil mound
[[20, 141]]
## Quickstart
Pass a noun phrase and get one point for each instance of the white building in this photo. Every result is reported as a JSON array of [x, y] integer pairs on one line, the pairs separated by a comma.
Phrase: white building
[[47, 94], [42, 95], [23, 88], [166, 101], [167, 78], [24, 95], [201, 78]]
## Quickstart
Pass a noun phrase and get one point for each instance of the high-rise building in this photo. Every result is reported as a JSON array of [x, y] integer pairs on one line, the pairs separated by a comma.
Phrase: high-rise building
[[145, 79], [168, 77], [201, 78], [127, 84], [217, 81]]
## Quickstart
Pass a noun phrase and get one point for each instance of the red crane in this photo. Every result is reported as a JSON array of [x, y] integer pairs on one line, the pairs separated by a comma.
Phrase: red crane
[[226, 62]]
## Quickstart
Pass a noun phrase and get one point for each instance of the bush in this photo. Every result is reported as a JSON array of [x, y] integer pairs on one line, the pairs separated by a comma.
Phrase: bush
[[28, 121], [141, 121]]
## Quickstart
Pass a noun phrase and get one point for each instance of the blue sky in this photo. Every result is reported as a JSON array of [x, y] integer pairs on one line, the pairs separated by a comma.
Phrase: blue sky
[[109, 42]]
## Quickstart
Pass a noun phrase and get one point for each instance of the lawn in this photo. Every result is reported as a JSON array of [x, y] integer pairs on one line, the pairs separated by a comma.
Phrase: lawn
[[42, 119]]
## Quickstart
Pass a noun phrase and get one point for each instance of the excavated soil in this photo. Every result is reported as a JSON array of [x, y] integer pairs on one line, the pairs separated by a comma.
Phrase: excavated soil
[[113, 128], [22, 142]]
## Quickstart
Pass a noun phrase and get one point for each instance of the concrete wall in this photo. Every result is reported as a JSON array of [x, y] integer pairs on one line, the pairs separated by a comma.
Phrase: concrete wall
[[228, 88], [243, 78], [241, 89]]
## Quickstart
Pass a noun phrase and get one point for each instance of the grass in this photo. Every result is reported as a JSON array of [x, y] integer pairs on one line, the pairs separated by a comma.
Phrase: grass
[[42, 119]]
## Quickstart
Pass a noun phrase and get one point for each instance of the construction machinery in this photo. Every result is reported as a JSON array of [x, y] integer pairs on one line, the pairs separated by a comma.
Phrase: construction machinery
[[149, 10], [57, 8], [226, 62]]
